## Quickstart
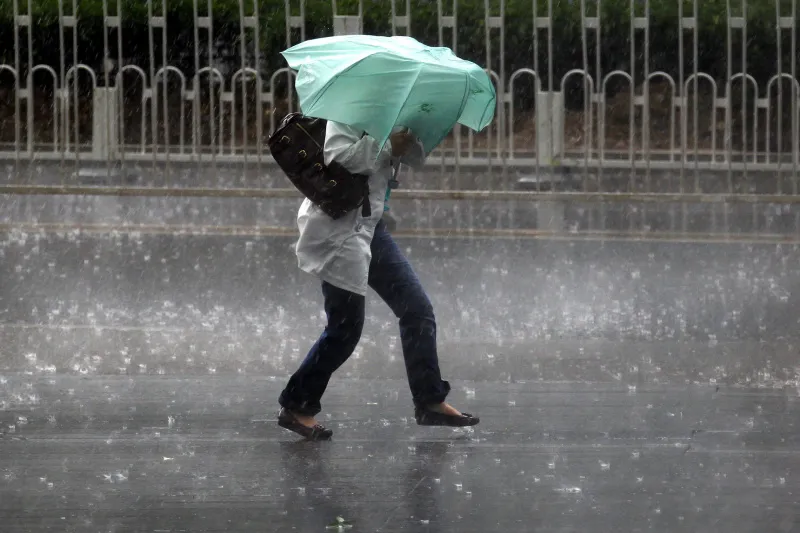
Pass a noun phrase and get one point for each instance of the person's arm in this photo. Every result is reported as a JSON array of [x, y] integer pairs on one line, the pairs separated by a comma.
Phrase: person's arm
[[356, 153]]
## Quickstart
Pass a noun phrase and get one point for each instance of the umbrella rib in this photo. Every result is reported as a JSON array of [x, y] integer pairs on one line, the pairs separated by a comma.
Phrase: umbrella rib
[[411, 88], [461, 108]]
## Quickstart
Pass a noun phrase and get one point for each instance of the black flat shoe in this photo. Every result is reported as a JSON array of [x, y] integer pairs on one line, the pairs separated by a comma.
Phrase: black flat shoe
[[426, 417], [287, 420]]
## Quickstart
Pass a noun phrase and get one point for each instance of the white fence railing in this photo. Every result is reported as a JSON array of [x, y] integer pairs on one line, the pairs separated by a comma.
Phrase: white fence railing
[[104, 107]]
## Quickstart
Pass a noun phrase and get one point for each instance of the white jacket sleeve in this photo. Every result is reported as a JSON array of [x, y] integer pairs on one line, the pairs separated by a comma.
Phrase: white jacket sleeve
[[360, 155]]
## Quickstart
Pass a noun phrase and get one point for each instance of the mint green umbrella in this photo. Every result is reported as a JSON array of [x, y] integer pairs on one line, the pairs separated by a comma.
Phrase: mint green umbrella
[[379, 83]]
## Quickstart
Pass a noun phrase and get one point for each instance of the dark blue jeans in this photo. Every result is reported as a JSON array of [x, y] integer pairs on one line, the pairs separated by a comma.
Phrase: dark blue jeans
[[393, 279]]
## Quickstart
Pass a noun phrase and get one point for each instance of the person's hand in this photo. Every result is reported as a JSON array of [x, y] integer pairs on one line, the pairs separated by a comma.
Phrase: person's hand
[[402, 141]]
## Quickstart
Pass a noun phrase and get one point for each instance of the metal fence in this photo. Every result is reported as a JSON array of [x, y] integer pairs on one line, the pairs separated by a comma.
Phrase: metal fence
[[110, 110]]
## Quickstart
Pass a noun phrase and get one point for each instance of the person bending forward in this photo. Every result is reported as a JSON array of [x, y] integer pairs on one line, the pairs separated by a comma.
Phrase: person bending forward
[[350, 254]]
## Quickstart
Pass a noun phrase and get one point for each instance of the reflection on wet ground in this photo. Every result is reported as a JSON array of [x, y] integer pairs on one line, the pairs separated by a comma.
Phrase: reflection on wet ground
[[205, 454]]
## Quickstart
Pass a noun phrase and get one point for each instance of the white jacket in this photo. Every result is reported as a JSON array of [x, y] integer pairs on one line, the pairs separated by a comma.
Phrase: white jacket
[[338, 251]]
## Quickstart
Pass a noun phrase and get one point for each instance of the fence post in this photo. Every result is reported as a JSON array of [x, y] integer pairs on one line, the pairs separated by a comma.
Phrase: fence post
[[348, 24], [550, 149], [105, 127], [549, 126]]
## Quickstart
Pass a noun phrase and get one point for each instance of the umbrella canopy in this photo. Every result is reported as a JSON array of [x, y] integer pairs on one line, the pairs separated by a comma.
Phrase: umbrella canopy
[[380, 83]]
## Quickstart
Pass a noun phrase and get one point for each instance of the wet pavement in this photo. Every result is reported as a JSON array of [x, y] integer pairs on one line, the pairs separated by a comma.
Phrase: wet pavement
[[217, 205], [472, 173], [181, 454], [622, 386], [620, 312]]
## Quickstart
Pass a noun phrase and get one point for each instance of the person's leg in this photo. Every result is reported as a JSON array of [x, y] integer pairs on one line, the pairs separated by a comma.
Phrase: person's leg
[[394, 280], [345, 311]]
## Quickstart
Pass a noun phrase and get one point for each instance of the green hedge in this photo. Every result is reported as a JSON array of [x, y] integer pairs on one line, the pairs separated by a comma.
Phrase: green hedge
[[567, 39]]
